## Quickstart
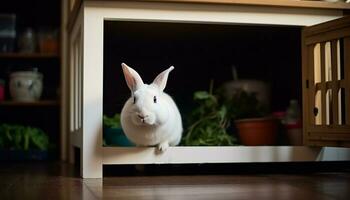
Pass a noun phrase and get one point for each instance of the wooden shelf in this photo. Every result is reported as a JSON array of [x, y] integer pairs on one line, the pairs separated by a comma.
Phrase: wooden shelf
[[221, 154], [35, 103], [312, 4], [28, 55], [279, 3]]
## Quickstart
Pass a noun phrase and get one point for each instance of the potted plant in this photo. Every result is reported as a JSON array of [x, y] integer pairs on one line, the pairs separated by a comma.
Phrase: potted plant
[[254, 126], [19, 142], [208, 122], [113, 133]]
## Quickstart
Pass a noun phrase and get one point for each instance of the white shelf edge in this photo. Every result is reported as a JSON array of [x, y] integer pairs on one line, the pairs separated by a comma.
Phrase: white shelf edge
[[231, 154]]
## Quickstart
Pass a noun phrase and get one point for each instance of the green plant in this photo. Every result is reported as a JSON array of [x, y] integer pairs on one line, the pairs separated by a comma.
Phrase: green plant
[[244, 105], [208, 122], [112, 122], [18, 137]]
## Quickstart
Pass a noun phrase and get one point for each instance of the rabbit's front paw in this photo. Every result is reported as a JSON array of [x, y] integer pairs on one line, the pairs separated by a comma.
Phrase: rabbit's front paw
[[163, 146]]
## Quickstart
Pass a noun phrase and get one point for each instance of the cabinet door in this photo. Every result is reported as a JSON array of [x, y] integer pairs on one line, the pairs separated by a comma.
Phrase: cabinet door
[[326, 83]]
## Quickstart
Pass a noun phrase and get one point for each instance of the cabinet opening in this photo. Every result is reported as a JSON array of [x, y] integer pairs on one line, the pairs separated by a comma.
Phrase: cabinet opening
[[204, 54]]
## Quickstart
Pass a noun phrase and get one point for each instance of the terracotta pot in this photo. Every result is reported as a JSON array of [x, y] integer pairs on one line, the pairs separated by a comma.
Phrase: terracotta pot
[[257, 131]]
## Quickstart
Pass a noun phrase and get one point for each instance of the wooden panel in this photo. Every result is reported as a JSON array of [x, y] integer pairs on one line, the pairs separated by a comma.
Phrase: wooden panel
[[342, 23], [64, 82], [330, 131], [347, 78], [278, 3], [327, 36], [306, 86], [342, 83], [329, 128], [326, 136]]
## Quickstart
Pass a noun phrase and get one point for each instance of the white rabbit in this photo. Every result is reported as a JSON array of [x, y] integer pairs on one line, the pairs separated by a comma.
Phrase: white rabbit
[[150, 117]]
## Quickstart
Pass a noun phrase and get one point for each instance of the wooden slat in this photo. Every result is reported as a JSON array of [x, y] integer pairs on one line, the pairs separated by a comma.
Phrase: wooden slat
[[306, 86], [335, 86], [323, 80], [318, 86], [329, 128], [347, 78], [327, 136], [328, 85], [312, 91]]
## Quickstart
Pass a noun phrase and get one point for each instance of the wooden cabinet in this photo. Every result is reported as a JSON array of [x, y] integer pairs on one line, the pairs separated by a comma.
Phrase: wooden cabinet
[[43, 17], [326, 83]]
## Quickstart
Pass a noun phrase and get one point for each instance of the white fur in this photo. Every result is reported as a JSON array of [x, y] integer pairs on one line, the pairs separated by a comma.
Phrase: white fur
[[161, 123]]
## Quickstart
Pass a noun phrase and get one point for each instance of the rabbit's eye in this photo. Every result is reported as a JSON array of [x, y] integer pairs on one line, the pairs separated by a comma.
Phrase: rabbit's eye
[[134, 99], [154, 99]]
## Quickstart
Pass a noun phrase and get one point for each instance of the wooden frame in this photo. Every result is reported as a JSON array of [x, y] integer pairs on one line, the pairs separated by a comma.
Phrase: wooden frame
[[88, 134], [326, 128]]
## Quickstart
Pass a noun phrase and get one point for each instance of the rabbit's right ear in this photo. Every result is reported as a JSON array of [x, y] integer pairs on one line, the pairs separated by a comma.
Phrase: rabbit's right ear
[[132, 78]]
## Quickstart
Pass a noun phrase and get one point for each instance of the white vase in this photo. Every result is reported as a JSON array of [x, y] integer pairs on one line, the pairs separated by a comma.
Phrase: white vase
[[26, 86]]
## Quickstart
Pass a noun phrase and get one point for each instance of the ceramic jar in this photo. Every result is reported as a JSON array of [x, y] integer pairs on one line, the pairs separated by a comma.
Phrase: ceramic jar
[[26, 85]]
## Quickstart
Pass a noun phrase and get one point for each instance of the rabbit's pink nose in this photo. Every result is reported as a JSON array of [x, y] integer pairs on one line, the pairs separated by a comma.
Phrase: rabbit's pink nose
[[142, 116]]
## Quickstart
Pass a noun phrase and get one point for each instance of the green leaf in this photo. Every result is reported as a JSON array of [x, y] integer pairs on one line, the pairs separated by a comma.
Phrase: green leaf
[[39, 139], [208, 121], [222, 112], [21, 137], [112, 122], [200, 95], [26, 139], [8, 134], [17, 138]]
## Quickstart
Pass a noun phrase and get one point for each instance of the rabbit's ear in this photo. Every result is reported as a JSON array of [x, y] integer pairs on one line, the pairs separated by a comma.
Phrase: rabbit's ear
[[162, 78], [133, 79]]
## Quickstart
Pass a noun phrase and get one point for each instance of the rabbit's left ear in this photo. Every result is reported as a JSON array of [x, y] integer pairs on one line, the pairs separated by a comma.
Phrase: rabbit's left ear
[[162, 78], [132, 78]]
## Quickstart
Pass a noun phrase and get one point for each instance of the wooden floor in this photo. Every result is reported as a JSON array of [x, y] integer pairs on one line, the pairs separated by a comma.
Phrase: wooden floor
[[60, 181]]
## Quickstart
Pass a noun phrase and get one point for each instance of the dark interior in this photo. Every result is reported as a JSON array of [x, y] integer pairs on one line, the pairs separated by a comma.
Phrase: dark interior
[[200, 53]]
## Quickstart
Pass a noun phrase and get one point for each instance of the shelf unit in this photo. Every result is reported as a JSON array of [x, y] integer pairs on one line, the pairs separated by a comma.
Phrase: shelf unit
[[39, 15], [34, 103], [28, 55]]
